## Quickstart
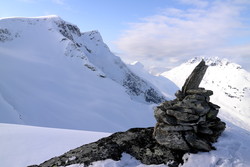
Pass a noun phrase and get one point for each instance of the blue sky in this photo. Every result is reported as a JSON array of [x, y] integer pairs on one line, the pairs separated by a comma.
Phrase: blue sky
[[162, 33], [110, 17]]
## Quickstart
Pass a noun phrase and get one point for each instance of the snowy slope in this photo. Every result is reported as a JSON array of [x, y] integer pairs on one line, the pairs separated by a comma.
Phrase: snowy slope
[[98, 53], [55, 76], [229, 82], [21, 145], [25, 145], [167, 87]]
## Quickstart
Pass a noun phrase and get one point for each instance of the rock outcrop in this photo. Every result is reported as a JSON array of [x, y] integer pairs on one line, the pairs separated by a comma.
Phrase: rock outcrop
[[138, 142], [190, 121]]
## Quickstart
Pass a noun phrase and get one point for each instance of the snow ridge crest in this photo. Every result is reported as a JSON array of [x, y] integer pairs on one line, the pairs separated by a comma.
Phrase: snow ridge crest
[[214, 61]]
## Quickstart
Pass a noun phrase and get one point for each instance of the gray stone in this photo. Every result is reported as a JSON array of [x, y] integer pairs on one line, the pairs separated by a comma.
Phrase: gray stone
[[199, 91], [197, 143], [179, 94], [194, 97], [172, 140], [182, 116], [195, 78], [161, 116], [204, 130], [212, 114], [201, 108], [177, 128], [214, 106], [202, 119]]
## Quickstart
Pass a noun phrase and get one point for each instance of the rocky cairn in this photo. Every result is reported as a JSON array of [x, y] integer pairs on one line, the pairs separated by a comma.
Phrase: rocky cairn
[[190, 121], [186, 124]]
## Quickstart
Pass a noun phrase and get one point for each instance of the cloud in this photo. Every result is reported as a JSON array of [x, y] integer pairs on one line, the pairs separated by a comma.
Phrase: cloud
[[176, 35]]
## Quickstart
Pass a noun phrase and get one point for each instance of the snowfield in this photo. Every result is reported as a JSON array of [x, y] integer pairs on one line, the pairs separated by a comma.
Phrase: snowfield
[[22, 145]]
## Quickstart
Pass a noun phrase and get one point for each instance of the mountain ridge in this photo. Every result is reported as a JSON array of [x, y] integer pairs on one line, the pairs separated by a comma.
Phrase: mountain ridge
[[54, 75]]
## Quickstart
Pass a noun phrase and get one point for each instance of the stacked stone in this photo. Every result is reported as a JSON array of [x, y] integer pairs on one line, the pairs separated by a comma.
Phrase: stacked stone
[[190, 121]]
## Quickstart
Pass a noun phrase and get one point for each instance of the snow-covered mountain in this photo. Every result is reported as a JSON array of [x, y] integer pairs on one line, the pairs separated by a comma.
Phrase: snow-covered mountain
[[53, 75], [229, 82]]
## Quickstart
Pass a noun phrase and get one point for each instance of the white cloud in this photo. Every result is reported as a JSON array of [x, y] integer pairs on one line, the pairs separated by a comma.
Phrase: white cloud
[[175, 35]]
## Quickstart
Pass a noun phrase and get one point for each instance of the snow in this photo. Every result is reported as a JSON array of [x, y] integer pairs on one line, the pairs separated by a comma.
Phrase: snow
[[47, 80], [167, 87], [26, 145], [126, 160]]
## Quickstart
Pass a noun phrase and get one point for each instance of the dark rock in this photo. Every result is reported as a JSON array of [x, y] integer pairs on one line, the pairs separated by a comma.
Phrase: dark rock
[[199, 91], [194, 97], [179, 94], [161, 116], [138, 142], [5, 35], [135, 86], [214, 106], [204, 130], [182, 116], [197, 143], [194, 79], [212, 114], [172, 140], [174, 128]]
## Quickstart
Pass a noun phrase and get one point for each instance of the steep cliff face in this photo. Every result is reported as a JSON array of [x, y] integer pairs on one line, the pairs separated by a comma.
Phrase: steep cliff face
[[54, 75]]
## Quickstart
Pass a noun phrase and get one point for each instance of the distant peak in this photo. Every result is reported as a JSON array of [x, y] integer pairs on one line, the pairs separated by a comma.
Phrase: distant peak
[[94, 35], [213, 61], [138, 64]]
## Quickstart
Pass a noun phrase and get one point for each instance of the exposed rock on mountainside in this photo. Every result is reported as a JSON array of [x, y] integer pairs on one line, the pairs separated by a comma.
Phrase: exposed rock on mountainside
[[188, 123], [137, 142]]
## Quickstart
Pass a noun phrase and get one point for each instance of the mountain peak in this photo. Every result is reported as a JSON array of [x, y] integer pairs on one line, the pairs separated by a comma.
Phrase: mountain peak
[[48, 17], [214, 61]]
